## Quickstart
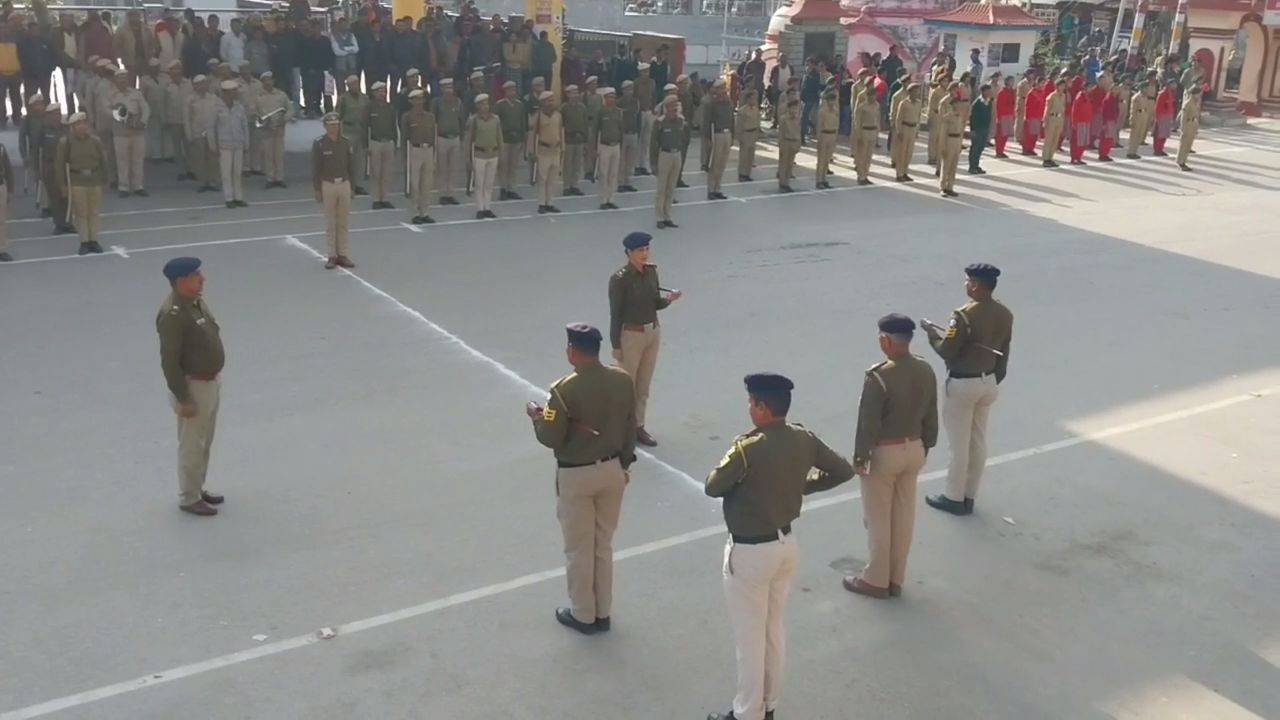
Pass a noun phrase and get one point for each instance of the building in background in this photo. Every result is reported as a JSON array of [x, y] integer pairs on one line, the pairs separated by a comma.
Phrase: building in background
[[1004, 35]]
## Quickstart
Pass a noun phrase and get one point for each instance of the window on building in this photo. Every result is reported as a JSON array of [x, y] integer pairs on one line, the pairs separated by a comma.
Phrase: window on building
[[1011, 53]]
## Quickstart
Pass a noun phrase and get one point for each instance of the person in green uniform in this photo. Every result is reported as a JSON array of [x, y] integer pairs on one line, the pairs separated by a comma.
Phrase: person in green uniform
[[448, 112], [762, 479], [975, 347], [635, 298], [717, 134], [574, 115], [589, 424], [593, 102], [979, 129], [515, 127], [191, 358], [608, 133], [665, 150], [332, 163], [81, 170], [418, 128], [383, 122], [688, 106], [30, 133], [897, 426], [483, 147], [632, 125], [353, 109], [55, 195], [546, 148]]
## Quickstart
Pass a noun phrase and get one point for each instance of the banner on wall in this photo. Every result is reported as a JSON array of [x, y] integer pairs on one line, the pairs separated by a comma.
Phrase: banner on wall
[[416, 9], [549, 15]]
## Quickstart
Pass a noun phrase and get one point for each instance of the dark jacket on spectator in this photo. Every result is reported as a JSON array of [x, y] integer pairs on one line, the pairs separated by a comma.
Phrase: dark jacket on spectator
[[37, 57], [316, 53], [405, 50]]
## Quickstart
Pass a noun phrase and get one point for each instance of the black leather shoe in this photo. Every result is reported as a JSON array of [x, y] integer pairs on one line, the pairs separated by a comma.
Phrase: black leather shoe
[[946, 504], [95, 247], [211, 498], [627, 188], [542, 209], [513, 196], [553, 209], [681, 184], [565, 617], [744, 178], [361, 191], [142, 193], [5, 257], [84, 249], [575, 192], [231, 205], [603, 624], [427, 220], [448, 200], [968, 506], [241, 203]]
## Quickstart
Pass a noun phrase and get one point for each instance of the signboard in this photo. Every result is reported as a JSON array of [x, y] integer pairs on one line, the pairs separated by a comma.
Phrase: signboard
[[1271, 15]]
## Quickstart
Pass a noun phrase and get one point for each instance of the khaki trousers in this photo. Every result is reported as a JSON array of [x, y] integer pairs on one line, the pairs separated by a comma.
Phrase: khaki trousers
[[273, 153], [1052, 137], [422, 176], [1138, 132], [904, 147], [630, 146], [131, 151], [787, 150], [231, 162], [757, 583], [935, 139], [668, 175], [607, 159], [195, 438], [720, 145], [548, 173], [747, 152], [889, 507], [826, 151], [4, 219], [448, 160], [646, 136], [175, 137], [965, 411], [639, 358], [704, 152], [1186, 137], [256, 135], [382, 160], [201, 162], [484, 173], [336, 198], [863, 143], [86, 206], [575, 154], [949, 160], [359, 158], [509, 164], [588, 504]]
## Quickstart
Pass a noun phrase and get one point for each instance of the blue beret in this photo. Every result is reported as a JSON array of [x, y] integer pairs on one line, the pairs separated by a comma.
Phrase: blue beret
[[582, 334], [767, 382], [896, 324], [181, 267], [983, 271], [636, 240]]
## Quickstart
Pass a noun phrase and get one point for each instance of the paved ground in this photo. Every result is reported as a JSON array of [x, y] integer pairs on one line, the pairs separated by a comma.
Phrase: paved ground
[[382, 478]]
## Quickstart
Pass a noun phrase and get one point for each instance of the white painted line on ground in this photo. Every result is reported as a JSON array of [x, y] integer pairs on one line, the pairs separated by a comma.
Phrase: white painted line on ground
[[204, 666], [538, 392], [119, 250], [410, 226]]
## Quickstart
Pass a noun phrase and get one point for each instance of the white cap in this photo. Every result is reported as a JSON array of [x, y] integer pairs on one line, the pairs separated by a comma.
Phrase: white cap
[[592, 79], [416, 92], [77, 117], [37, 98], [669, 87], [154, 62], [54, 107], [412, 72], [627, 83], [230, 85], [642, 66], [606, 91], [447, 82], [378, 85], [199, 79], [546, 95], [482, 97], [681, 78], [477, 75], [571, 88], [268, 75], [173, 64]]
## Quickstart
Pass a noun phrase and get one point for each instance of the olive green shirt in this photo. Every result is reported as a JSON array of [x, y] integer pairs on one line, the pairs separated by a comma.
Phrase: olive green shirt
[[190, 343], [609, 125], [899, 400], [590, 415], [668, 136], [418, 127], [449, 116], [977, 331], [634, 299], [485, 135], [645, 88], [331, 160], [86, 158], [353, 109], [630, 108], [574, 115], [382, 121], [719, 117], [765, 475], [515, 121], [594, 104]]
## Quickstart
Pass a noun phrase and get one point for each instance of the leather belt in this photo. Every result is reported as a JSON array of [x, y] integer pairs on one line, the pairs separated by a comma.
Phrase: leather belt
[[447, 137], [761, 539], [969, 376], [548, 145], [907, 124], [641, 327], [607, 144], [955, 134], [828, 132], [485, 149], [896, 441], [334, 180], [870, 127], [204, 377], [421, 144], [567, 464]]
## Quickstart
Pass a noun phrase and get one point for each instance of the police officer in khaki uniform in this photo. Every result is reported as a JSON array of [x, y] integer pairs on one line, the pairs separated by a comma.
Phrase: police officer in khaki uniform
[[383, 121], [56, 193], [975, 348], [450, 118], [191, 358], [81, 169], [762, 479], [197, 118], [177, 89], [608, 136], [635, 297], [827, 127], [646, 100], [418, 128], [951, 137], [129, 134], [897, 425], [689, 106], [631, 127], [1190, 126], [748, 133], [574, 116], [1055, 110], [483, 146], [937, 99], [866, 127], [589, 424], [332, 162], [789, 136], [717, 136], [272, 112], [546, 147], [905, 124], [592, 100], [515, 126], [1141, 109], [665, 148], [353, 109]]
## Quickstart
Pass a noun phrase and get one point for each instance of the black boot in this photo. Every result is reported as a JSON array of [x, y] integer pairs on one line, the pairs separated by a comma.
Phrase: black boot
[[946, 504]]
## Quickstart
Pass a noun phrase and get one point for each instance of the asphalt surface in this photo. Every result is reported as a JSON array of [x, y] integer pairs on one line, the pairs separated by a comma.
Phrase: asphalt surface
[[382, 479]]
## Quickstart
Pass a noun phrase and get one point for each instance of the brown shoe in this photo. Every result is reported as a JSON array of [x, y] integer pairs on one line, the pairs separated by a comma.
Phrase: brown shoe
[[644, 438], [199, 507], [855, 584], [895, 590], [331, 263], [211, 498], [345, 262]]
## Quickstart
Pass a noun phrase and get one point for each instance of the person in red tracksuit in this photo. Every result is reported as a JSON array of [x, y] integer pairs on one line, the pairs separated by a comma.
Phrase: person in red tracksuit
[[1097, 95], [1033, 124], [1081, 114], [1165, 110], [1006, 105], [1110, 124]]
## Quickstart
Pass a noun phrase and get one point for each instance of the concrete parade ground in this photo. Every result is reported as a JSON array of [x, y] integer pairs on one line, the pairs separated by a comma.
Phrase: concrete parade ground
[[382, 479]]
